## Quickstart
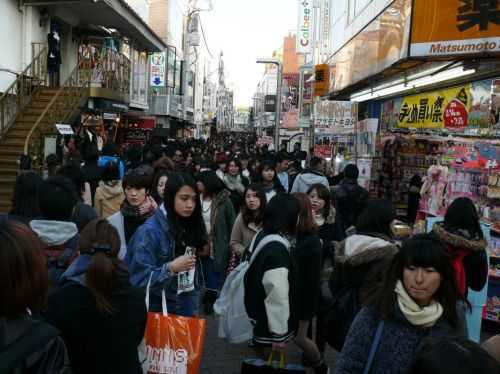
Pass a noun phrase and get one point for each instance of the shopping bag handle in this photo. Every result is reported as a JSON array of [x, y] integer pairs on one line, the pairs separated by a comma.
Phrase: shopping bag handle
[[163, 297], [282, 360]]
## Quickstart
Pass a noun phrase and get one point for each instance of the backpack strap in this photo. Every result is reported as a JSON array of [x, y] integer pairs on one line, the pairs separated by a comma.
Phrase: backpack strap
[[35, 338], [374, 347], [265, 241]]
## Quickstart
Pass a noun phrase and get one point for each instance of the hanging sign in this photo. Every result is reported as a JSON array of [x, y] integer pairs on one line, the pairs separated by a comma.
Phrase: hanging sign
[[321, 79], [64, 129], [305, 27], [157, 69], [333, 117]]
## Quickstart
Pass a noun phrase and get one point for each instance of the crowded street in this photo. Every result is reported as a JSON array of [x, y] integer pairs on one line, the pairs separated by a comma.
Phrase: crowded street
[[231, 187]]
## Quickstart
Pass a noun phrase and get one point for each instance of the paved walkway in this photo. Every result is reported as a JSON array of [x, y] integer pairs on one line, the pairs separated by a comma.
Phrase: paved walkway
[[222, 358]]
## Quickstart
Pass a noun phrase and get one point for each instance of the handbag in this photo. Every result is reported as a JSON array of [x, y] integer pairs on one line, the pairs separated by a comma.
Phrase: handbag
[[172, 344], [259, 366], [374, 347]]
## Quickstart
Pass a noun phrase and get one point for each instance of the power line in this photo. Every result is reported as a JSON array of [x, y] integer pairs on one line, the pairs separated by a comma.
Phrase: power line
[[204, 38]]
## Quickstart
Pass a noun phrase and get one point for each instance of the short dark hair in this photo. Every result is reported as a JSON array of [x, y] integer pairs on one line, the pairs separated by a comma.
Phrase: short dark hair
[[281, 214], [111, 172], [23, 271], [323, 194], [139, 178], [58, 198], [316, 161], [456, 355], [351, 171], [26, 195], [73, 172], [376, 218], [213, 184], [110, 149], [423, 250], [247, 215]]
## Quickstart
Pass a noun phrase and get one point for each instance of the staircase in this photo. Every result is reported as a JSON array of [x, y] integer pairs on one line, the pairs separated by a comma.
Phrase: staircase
[[13, 141], [33, 117]]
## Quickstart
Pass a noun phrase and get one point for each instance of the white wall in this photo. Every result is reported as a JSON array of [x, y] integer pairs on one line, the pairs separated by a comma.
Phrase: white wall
[[176, 13], [343, 28], [141, 7], [19, 27]]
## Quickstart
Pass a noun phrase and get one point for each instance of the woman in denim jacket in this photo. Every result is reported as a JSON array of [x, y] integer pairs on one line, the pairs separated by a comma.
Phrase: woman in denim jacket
[[157, 249]]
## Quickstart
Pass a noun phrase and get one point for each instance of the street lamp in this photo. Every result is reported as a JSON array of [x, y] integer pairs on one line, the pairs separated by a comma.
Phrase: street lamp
[[279, 67]]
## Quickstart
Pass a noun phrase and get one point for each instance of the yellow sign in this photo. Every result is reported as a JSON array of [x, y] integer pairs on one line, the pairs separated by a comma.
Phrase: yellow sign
[[455, 27], [436, 110], [321, 80]]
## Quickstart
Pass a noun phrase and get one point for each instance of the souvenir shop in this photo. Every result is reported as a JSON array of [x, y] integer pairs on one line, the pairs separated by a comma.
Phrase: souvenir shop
[[436, 146]]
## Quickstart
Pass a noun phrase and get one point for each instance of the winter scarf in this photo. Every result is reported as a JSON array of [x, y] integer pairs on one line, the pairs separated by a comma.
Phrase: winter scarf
[[134, 213], [459, 243], [414, 313], [234, 183]]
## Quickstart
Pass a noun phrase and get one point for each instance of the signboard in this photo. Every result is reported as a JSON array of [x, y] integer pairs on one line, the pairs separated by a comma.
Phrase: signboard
[[64, 129], [464, 108], [265, 140], [325, 25], [157, 69], [270, 103], [323, 151], [305, 27], [334, 117], [290, 101], [455, 27], [365, 172], [321, 80]]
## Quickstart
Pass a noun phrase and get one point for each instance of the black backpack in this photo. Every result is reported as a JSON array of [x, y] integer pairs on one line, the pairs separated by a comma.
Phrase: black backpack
[[13, 356]]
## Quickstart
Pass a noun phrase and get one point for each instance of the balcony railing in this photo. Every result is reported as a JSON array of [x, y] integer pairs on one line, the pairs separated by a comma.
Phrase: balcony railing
[[21, 91]]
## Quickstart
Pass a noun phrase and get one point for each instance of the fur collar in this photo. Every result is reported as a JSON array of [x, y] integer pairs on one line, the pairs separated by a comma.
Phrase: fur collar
[[458, 241], [362, 249]]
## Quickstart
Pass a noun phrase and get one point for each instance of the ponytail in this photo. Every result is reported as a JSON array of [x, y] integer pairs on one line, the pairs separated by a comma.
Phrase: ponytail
[[100, 240], [101, 281]]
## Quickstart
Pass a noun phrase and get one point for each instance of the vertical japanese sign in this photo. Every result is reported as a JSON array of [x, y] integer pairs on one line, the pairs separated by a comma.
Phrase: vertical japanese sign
[[325, 25], [305, 27], [157, 69], [290, 101], [455, 27], [321, 79]]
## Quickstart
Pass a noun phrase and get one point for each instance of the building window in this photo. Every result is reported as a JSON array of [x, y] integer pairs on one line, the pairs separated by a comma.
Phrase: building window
[[356, 7]]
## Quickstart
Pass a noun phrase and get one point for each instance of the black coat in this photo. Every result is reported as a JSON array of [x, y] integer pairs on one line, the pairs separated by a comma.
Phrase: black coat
[[350, 199], [96, 342]]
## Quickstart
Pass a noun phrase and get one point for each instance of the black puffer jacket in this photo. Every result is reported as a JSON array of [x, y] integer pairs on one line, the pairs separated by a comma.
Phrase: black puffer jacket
[[350, 199]]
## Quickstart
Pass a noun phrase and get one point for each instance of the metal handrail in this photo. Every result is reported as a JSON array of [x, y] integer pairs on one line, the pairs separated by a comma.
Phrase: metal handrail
[[61, 106], [20, 92]]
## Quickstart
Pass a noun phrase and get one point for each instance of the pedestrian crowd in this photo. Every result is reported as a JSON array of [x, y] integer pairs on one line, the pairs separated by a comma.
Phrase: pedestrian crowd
[[82, 244]]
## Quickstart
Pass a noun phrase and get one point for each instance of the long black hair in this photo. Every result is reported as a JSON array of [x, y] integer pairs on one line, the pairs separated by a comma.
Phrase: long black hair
[[248, 215], [461, 217], [424, 251], [213, 184], [190, 231], [154, 186], [265, 165], [281, 215], [323, 194]]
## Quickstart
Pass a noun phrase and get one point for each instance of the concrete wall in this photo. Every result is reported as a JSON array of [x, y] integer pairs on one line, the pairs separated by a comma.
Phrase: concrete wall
[[349, 18], [158, 18], [141, 7]]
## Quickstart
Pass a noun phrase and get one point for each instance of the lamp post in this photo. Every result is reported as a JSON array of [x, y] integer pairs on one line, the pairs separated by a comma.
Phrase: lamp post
[[279, 67]]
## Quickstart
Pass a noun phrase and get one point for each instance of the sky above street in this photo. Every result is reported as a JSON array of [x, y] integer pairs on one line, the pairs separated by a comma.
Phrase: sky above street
[[246, 30]]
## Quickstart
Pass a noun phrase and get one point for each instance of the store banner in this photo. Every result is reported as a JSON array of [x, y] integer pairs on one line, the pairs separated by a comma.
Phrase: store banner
[[334, 117], [464, 108], [323, 151], [270, 103], [455, 27], [157, 69], [305, 27], [326, 25], [321, 79]]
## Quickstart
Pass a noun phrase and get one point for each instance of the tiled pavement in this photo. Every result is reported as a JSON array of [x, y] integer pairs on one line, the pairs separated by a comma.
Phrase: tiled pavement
[[222, 358]]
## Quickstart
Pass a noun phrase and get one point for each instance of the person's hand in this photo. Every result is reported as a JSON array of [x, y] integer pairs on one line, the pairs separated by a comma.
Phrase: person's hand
[[183, 263], [279, 347]]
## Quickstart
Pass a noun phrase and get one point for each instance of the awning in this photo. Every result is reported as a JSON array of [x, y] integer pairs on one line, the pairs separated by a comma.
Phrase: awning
[[114, 14]]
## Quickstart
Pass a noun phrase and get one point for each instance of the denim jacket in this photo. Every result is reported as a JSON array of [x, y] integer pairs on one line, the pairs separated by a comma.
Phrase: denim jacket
[[150, 250]]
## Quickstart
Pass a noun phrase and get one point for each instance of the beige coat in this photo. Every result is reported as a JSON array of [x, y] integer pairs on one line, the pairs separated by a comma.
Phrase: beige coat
[[108, 198], [242, 235]]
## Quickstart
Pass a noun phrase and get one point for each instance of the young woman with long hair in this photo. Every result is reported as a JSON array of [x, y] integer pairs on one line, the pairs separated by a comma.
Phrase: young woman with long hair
[[268, 177], [100, 315], [416, 299], [235, 182], [218, 217], [158, 250], [308, 258]]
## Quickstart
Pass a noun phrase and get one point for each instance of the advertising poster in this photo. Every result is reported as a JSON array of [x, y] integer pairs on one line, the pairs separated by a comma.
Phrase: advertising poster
[[455, 27], [290, 101], [305, 26], [157, 69], [334, 117], [365, 172]]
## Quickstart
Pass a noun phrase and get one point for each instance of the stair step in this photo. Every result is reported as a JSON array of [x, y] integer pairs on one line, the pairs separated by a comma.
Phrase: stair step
[[11, 142], [9, 153], [17, 133], [8, 171], [7, 180]]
